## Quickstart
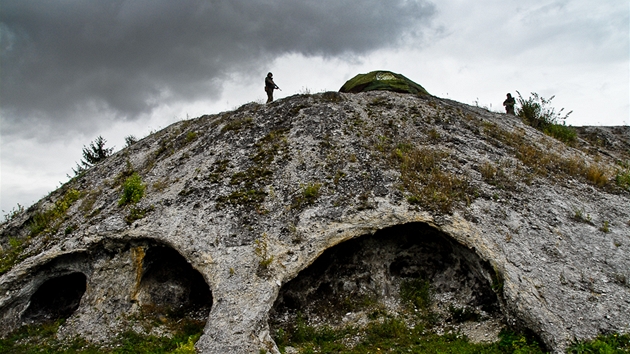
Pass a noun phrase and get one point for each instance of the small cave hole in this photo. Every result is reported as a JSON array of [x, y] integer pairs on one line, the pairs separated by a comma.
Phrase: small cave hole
[[57, 298], [171, 285]]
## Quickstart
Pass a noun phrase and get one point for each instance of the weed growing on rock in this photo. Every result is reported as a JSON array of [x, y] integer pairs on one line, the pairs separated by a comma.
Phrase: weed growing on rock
[[49, 220], [12, 254], [537, 112], [42, 339], [133, 190], [136, 214], [218, 168], [429, 185], [605, 227], [308, 195], [579, 216], [262, 251], [88, 203]]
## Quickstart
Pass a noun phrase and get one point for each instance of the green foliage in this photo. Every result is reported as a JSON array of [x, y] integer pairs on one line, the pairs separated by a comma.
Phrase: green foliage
[[12, 254], [42, 339], [190, 137], [603, 344], [579, 216], [537, 112], [310, 192], [623, 176], [133, 190], [49, 220]]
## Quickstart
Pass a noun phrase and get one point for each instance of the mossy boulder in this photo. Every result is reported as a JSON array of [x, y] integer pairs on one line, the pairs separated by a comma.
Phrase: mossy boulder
[[382, 81]]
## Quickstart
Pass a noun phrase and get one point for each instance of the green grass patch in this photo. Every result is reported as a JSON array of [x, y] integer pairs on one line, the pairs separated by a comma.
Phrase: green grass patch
[[393, 335], [42, 339], [603, 344], [308, 194], [49, 220]]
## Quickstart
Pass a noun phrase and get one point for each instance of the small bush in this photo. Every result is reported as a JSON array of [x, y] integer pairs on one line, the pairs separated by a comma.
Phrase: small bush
[[537, 112], [262, 251], [310, 193], [133, 190], [579, 216], [623, 176]]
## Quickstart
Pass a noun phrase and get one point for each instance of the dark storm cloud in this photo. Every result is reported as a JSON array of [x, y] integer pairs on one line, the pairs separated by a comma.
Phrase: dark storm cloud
[[127, 57]]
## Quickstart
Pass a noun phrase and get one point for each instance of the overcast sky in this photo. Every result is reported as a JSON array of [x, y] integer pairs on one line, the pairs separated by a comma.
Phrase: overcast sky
[[71, 70]]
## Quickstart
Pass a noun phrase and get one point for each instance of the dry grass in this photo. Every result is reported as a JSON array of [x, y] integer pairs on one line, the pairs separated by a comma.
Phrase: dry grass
[[427, 181], [545, 163]]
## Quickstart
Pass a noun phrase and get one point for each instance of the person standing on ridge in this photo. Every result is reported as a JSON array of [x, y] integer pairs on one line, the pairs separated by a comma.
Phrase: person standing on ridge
[[509, 104], [270, 86]]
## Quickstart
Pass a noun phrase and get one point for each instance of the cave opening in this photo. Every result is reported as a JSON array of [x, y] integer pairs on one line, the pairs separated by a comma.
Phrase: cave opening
[[372, 277], [172, 286], [57, 298]]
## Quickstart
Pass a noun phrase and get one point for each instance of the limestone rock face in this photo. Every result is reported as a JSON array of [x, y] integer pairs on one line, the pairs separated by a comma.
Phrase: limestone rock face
[[250, 215]]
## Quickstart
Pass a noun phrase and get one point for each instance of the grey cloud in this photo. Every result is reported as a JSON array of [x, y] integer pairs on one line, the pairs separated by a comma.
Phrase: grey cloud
[[127, 57]]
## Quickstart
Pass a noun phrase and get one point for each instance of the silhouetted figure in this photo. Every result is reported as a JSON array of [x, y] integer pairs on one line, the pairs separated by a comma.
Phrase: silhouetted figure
[[270, 86], [509, 104]]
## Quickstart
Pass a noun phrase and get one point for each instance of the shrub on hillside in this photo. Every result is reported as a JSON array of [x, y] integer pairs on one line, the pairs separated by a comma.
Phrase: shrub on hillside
[[537, 112], [133, 190]]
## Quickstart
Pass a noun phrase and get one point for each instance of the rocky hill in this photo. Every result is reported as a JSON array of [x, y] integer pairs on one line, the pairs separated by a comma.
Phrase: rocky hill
[[331, 209]]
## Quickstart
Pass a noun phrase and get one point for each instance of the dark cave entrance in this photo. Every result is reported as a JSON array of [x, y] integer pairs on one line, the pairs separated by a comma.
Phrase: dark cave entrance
[[57, 298], [171, 285], [370, 273]]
